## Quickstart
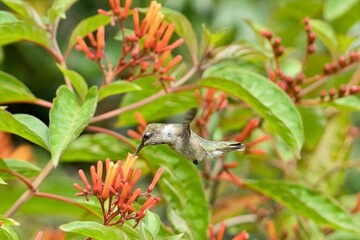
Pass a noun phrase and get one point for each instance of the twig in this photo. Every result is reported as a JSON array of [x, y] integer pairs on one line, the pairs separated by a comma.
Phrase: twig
[[237, 221], [144, 101], [30, 192]]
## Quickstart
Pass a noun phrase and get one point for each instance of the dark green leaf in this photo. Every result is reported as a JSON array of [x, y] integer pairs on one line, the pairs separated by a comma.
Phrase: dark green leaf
[[325, 32], [168, 105], [76, 80], [22, 167], [24, 9], [59, 8], [92, 147], [182, 186], [13, 90], [183, 28], [306, 202], [68, 119], [334, 9], [25, 126], [87, 26], [117, 87], [6, 17], [265, 97], [98, 231], [23, 31]]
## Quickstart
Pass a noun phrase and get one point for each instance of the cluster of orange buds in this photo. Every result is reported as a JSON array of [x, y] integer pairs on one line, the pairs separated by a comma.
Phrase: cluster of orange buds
[[341, 63], [117, 190], [212, 101], [311, 37], [96, 51], [343, 91], [146, 51], [140, 128], [277, 48], [251, 125], [243, 235]]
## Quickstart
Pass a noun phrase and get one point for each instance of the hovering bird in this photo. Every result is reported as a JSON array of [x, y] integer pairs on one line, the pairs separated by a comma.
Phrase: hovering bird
[[186, 142]]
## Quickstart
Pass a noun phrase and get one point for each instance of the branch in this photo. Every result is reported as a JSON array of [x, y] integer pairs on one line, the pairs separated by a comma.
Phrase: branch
[[144, 101]]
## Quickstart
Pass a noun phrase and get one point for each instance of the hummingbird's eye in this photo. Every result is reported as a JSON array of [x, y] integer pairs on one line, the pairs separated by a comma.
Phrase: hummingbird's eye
[[146, 135]]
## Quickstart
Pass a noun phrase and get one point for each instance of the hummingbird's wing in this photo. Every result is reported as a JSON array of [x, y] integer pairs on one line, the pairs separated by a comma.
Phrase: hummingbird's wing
[[186, 133]]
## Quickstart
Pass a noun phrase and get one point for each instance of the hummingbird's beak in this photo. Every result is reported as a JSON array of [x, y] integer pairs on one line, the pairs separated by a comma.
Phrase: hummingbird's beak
[[139, 148]]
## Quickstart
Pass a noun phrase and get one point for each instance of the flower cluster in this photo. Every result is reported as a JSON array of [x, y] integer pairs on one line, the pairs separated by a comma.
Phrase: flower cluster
[[145, 52], [116, 188]]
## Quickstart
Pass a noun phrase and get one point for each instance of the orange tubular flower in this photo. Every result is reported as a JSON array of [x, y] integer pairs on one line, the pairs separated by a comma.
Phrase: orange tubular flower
[[117, 189]]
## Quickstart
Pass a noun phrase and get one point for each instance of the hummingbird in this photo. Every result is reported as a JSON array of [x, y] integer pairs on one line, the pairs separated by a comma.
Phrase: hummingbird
[[186, 142]]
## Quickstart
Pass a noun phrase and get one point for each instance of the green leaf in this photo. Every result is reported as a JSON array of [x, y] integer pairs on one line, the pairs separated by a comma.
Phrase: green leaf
[[6, 17], [264, 96], [22, 167], [92, 147], [332, 151], [183, 28], [351, 102], [306, 202], [174, 103], [291, 67], [117, 87], [25, 126], [326, 34], [59, 8], [182, 186], [2, 182], [150, 225], [8, 221], [174, 237], [68, 119], [98, 231], [23, 30], [87, 26], [24, 10], [334, 9], [13, 90], [76, 80]]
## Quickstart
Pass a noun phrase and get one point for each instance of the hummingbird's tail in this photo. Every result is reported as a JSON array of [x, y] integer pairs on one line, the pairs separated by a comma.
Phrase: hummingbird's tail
[[232, 146]]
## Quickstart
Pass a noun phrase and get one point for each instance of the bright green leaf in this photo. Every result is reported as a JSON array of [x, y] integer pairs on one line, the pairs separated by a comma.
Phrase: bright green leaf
[[183, 28], [25, 126], [2, 182], [165, 106], [59, 8], [264, 96], [325, 32], [150, 224], [351, 102], [13, 90], [8, 221], [23, 31], [334, 9], [76, 80], [117, 87], [7, 233], [306, 202], [291, 67], [6, 17], [92, 147], [182, 186], [87, 26], [175, 237], [68, 119], [24, 9], [96, 230]]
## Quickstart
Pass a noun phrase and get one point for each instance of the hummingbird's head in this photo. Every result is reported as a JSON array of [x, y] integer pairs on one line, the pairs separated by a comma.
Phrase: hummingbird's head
[[153, 135]]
